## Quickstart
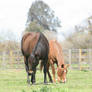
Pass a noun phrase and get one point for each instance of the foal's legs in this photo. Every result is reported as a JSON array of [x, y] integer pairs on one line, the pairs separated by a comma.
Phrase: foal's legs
[[53, 70]]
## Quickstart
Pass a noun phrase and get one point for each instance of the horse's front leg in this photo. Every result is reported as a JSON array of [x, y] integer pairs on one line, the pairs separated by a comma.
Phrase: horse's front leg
[[28, 79], [28, 74], [27, 69], [33, 76], [45, 73]]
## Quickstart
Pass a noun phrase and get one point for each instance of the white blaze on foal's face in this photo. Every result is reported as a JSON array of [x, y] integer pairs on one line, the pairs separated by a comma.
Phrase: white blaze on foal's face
[[64, 72], [63, 77]]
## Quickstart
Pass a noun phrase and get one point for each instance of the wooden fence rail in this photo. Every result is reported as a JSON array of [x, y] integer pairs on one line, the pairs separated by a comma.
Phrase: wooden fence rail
[[77, 58]]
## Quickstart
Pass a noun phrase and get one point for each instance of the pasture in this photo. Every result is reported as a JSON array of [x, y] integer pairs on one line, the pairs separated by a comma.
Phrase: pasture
[[14, 80]]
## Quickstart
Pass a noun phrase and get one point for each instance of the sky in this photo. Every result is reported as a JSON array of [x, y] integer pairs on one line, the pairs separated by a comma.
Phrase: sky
[[13, 14]]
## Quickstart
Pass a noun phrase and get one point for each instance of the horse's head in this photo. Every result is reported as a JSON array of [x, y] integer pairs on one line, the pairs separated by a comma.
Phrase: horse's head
[[33, 62], [61, 72]]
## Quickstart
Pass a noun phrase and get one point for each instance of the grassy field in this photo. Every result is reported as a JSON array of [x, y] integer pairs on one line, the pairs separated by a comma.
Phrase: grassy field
[[15, 81]]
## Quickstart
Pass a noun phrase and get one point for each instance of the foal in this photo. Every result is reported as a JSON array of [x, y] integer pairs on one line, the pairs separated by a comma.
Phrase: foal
[[56, 56]]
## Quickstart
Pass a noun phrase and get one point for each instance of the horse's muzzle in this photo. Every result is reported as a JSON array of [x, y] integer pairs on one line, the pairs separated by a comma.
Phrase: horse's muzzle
[[31, 72]]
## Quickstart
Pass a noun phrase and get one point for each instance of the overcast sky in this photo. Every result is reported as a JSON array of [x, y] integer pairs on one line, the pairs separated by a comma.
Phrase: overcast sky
[[13, 13]]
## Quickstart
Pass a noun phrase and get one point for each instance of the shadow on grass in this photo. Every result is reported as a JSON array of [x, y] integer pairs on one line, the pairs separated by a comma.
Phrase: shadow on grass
[[85, 70], [49, 89], [43, 89], [23, 90], [41, 83]]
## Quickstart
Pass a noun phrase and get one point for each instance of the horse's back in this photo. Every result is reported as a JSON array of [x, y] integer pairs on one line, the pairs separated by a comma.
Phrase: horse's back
[[28, 42], [55, 52], [42, 47]]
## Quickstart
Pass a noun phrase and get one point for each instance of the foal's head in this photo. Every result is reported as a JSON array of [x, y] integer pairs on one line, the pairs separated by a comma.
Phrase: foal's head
[[61, 72]]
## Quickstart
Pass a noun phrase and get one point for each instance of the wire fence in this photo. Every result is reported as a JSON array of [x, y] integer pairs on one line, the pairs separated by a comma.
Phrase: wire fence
[[79, 59]]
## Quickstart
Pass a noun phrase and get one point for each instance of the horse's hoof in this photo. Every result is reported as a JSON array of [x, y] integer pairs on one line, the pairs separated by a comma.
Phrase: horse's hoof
[[28, 81], [51, 81], [45, 83], [33, 83], [29, 85]]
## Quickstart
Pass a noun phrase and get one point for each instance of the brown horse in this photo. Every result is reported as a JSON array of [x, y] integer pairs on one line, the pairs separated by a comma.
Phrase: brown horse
[[56, 56], [34, 47]]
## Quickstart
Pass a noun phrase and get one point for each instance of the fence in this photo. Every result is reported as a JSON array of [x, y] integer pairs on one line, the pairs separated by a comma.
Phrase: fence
[[11, 59], [77, 58]]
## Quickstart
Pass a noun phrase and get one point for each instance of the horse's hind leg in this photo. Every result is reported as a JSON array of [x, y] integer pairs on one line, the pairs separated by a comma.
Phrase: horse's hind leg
[[53, 72], [45, 70], [49, 75]]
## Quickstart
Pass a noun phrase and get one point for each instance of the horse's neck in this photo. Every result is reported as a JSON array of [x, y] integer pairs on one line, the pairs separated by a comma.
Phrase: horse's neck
[[59, 55], [60, 60]]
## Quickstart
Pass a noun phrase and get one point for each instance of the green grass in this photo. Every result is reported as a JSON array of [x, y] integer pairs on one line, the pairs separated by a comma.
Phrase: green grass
[[15, 81]]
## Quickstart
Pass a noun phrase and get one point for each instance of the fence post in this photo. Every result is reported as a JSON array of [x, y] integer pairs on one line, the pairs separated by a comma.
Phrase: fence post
[[89, 56], [11, 59], [3, 61], [79, 59], [70, 58], [10, 56]]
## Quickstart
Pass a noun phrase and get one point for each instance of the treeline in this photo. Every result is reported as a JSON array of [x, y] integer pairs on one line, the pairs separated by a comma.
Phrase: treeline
[[41, 18], [9, 45], [82, 37]]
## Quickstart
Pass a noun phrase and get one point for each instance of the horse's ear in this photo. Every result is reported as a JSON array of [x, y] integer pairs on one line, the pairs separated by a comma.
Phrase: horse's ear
[[67, 65]]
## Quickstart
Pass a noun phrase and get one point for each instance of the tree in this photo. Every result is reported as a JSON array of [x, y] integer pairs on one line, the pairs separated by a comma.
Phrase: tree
[[7, 35], [80, 40], [82, 37], [43, 15], [33, 26], [90, 25], [87, 28]]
